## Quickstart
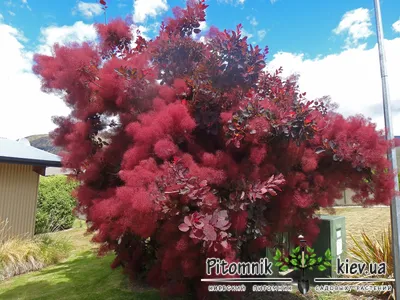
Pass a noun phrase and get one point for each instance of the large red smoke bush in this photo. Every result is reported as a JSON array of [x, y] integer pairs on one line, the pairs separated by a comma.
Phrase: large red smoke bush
[[190, 149]]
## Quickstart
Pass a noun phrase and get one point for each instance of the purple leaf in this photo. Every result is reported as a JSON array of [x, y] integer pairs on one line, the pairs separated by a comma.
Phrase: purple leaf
[[183, 227], [192, 194], [237, 144], [196, 234], [221, 224], [226, 227], [187, 221], [224, 244], [223, 234], [203, 183], [207, 219], [223, 214], [198, 224], [209, 232]]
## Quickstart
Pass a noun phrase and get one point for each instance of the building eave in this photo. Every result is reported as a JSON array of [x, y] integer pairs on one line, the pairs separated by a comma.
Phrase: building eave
[[32, 162]]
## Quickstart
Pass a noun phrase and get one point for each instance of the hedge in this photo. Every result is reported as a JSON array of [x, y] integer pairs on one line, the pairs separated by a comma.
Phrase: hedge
[[55, 204]]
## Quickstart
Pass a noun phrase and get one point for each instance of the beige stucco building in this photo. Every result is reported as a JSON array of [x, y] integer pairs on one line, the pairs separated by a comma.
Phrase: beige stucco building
[[21, 165]]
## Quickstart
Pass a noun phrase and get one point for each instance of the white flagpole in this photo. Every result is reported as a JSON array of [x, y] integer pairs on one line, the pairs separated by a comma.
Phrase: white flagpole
[[395, 206]]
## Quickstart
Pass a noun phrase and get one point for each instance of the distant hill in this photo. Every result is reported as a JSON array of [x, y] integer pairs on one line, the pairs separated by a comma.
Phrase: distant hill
[[43, 142]]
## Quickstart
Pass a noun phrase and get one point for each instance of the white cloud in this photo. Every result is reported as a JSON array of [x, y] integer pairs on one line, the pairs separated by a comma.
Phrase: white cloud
[[148, 8], [245, 33], [24, 109], [79, 32], [155, 27], [203, 39], [134, 28], [89, 10], [25, 4], [396, 26], [1, 18], [235, 2], [11, 13], [273, 1], [261, 34], [351, 78], [203, 27], [253, 21], [357, 24]]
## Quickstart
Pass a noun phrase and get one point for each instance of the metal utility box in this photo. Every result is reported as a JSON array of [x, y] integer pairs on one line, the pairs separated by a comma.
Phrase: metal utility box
[[283, 243], [332, 236]]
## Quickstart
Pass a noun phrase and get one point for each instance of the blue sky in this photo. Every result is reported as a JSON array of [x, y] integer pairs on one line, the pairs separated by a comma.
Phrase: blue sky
[[283, 25], [331, 44]]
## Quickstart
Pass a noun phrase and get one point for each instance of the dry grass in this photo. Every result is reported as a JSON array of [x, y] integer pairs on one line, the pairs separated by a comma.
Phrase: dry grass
[[20, 255]]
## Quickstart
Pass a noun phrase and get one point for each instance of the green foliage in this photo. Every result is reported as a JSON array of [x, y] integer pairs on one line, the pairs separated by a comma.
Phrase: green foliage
[[52, 248], [295, 260], [55, 204]]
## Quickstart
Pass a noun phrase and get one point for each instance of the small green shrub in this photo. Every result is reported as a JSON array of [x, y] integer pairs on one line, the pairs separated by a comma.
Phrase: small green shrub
[[55, 204]]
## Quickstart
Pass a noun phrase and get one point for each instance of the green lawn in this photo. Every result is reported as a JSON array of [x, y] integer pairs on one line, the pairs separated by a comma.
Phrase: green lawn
[[84, 276]]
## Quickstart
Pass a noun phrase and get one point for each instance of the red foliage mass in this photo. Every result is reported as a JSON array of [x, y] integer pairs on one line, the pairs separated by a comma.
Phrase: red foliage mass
[[206, 154]]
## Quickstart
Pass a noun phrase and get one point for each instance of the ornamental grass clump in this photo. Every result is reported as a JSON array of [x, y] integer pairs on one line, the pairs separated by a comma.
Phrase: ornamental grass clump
[[375, 250], [19, 255]]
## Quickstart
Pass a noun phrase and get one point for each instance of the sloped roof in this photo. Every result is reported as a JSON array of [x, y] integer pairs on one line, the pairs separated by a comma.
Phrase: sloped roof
[[21, 153]]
